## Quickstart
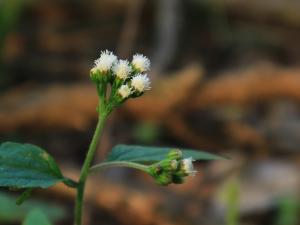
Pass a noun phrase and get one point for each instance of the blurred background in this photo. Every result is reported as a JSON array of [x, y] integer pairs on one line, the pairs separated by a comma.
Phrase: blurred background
[[225, 77]]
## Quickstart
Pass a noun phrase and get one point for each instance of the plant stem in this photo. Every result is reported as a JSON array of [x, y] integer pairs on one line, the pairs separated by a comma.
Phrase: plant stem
[[86, 166], [105, 165]]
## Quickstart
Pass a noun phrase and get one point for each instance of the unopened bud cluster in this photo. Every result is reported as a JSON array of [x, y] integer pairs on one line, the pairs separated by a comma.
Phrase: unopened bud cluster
[[173, 169], [127, 79]]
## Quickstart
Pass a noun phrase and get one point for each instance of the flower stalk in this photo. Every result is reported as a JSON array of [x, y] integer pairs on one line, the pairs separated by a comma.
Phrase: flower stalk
[[133, 165], [85, 168], [126, 80], [125, 83]]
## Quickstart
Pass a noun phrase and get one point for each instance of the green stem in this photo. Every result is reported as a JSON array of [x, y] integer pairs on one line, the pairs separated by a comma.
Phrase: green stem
[[105, 165], [87, 163]]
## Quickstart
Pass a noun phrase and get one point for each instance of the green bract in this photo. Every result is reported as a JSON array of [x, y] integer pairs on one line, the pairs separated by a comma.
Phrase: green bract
[[27, 166]]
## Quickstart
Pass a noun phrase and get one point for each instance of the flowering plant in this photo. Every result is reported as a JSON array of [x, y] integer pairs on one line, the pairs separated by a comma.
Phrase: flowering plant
[[25, 166]]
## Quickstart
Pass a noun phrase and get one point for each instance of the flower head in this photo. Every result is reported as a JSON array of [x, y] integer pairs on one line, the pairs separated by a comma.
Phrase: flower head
[[141, 63], [187, 166], [124, 91], [140, 82], [122, 69], [173, 169], [175, 154], [106, 61]]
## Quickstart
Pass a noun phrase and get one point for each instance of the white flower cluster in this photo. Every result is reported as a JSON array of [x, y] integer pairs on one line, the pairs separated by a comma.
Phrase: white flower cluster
[[130, 76], [173, 169]]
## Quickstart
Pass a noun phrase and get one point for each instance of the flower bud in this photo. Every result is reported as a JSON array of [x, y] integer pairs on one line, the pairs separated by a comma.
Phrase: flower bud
[[168, 165], [174, 165], [164, 179], [124, 91], [95, 75], [173, 169], [175, 154]]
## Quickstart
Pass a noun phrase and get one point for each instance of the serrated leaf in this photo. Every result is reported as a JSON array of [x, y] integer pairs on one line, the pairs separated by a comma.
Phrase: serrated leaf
[[27, 166], [147, 155], [35, 217]]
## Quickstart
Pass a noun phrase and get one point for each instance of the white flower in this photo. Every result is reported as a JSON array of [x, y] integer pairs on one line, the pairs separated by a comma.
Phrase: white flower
[[140, 62], [106, 61], [122, 69], [187, 166], [124, 91], [140, 82]]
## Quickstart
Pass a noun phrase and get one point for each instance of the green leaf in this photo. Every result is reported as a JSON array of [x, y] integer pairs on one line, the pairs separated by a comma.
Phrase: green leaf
[[24, 196], [14, 214], [147, 155], [35, 217], [27, 166]]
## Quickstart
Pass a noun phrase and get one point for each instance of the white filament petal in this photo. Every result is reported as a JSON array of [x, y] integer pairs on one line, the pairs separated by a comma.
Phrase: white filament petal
[[141, 62], [106, 61], [140, 82], [122, 69], [188, 167], [124, 91]]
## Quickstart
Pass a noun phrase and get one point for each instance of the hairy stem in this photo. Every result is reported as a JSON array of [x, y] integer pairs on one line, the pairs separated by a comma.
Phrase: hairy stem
[[86, 166]]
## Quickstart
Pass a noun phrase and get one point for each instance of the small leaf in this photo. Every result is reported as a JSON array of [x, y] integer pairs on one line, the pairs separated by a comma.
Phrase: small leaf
[[147, 155], [35, 217], [24, 196], [27, 166]]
